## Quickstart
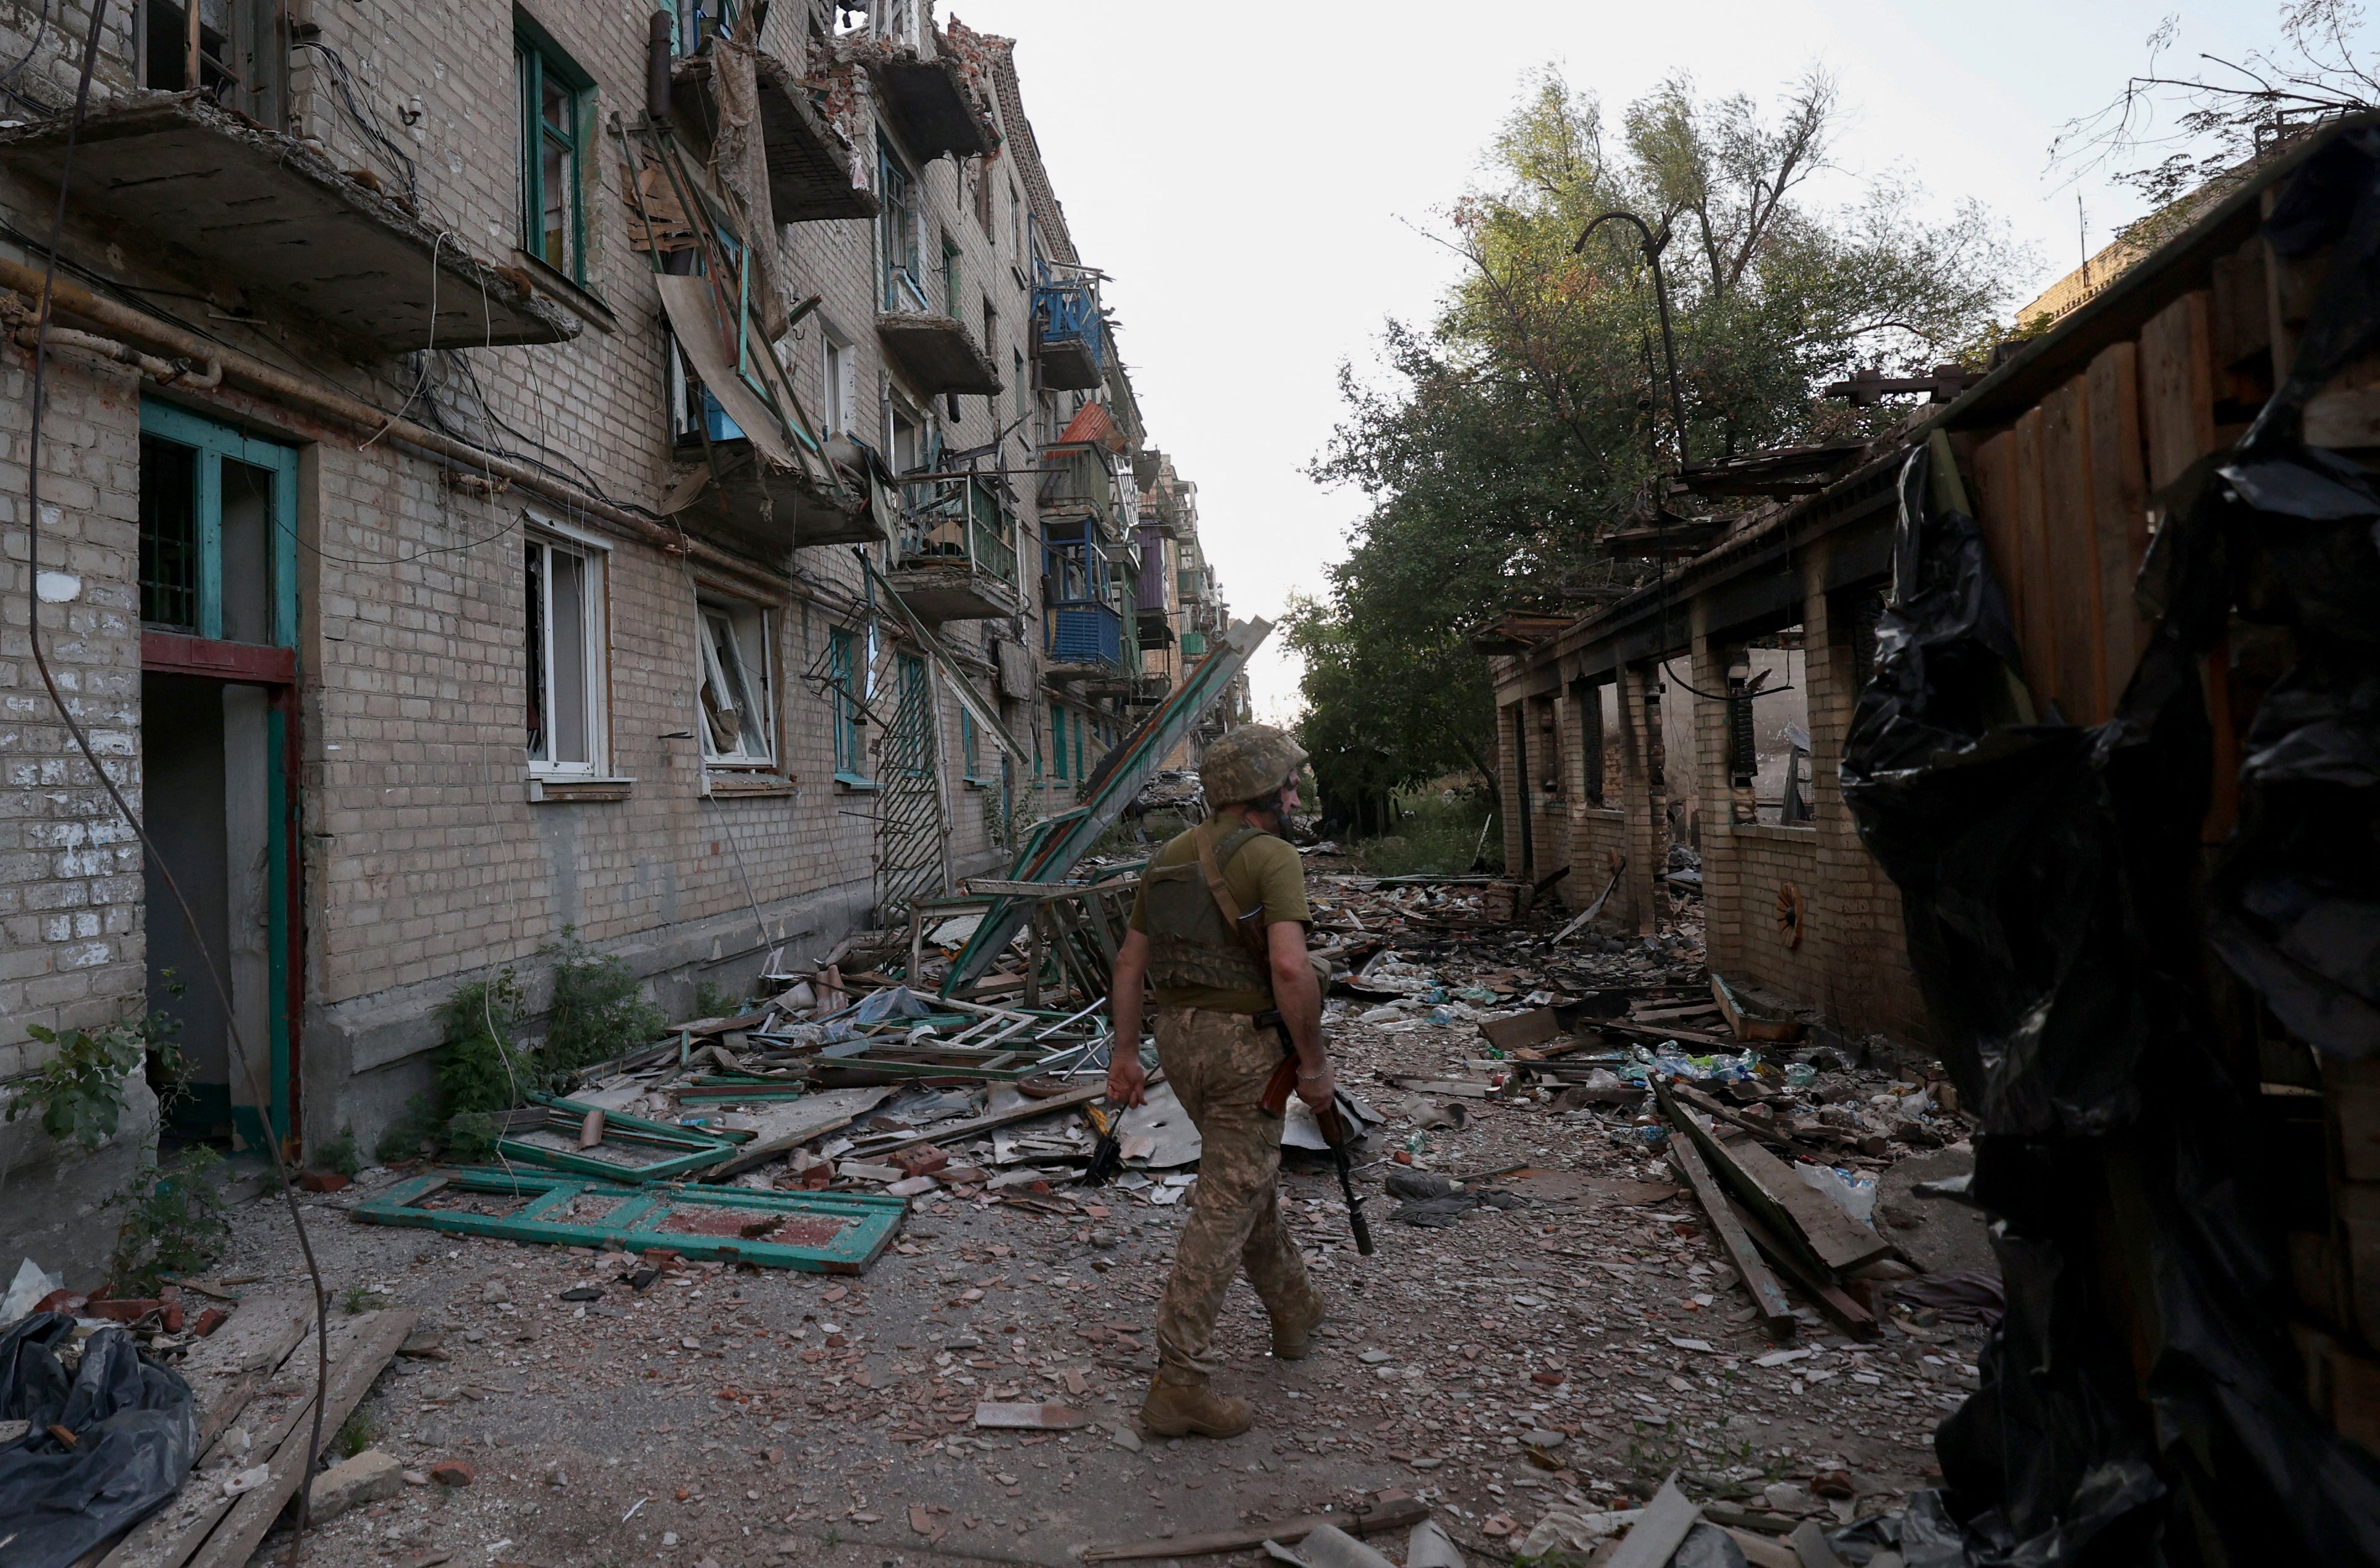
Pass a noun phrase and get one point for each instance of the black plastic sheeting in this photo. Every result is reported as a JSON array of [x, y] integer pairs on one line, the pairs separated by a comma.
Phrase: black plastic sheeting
[[2141, 1401], [136, 1434]]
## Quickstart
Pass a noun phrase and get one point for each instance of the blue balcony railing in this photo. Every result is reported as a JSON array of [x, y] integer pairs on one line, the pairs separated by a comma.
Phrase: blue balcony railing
[[1067, 315], [1085, 634]]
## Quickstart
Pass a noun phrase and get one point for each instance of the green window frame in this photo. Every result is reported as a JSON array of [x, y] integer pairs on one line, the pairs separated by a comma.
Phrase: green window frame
[[1057, 739], [196, 518], [556, 115], [950, 274], [898, 229], [850, 734]]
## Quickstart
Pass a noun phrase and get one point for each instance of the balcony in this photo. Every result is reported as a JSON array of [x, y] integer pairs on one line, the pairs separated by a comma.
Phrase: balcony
[[809, 161], [755, 506], [1086, 648], [926, 101], [1156, 631], [935, 353], [1073, 334], [955, 556], [249, 211]]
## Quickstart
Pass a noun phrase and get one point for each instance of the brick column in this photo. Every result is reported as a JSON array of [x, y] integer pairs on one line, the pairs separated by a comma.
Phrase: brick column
[[1511, 788], [1723, 935], [1640, 797]]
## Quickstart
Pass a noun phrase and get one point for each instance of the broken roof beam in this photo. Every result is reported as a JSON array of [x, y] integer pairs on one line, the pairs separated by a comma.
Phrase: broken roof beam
[[228, 202]]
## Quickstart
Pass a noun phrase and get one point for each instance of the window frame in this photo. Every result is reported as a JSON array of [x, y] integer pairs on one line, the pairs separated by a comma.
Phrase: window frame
[[838, 385], [845, 674], [537, 636], [536, 57], [901, 227], [760, 704], [214, 444], [1058, 742]]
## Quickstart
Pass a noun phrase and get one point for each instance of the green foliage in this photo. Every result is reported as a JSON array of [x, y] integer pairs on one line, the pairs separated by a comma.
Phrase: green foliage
[[479, 1068], [339, 1153], [470, 1136], [355, 1431], [354, 1299], [418, 1124], [79, 1091], [714, 1001], [173, 1223], [1533, 418], [599, 1011], [1438, 831], [160, 1032]]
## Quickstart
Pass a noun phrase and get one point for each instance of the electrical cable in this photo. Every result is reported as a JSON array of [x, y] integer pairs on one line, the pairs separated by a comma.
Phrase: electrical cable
[[82, 743], [344, 86]]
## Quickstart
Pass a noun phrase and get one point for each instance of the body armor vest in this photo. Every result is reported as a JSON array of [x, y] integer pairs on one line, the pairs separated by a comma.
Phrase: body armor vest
[[1190, 943]]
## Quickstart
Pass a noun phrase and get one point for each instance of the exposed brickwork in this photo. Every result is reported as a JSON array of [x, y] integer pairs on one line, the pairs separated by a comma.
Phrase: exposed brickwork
[[426, 858]]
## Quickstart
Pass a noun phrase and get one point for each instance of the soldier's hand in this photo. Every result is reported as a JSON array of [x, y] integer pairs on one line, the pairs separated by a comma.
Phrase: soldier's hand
[[1127, 1081], [1317, 1091]]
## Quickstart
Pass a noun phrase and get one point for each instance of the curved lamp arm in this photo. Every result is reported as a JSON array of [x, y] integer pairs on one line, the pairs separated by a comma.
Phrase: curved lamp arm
[[1652, 248]]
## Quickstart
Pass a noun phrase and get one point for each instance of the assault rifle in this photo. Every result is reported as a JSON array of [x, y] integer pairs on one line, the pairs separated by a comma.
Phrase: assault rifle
[[1337, 1120]]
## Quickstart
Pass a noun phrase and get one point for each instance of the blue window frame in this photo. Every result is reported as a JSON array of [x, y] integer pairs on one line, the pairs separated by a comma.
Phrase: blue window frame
[[218, 531], [555, 96], [850, 732]]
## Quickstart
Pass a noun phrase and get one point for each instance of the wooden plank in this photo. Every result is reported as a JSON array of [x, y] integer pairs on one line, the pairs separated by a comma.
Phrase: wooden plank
[[1839, 1240], [1388, 1513], [961, 1131], [2177, 388], [169, 1537], [1993, 494], [2035, 638], [1839, 1309], [2119, 514], [1768, 1295], [351, 1379], [2070, 536]]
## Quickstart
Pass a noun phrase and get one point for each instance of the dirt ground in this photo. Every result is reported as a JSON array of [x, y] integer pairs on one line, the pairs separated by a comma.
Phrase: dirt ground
[[1566, 1353]]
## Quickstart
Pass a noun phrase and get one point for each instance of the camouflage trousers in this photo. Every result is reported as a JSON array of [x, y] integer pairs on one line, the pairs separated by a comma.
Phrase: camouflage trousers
[[1218, 1064]]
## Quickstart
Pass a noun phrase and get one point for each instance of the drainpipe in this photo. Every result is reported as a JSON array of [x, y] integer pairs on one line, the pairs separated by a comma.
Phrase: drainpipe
[[229, 366]]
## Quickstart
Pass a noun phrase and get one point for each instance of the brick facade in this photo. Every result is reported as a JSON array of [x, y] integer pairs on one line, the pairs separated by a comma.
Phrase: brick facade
[[427, 852]]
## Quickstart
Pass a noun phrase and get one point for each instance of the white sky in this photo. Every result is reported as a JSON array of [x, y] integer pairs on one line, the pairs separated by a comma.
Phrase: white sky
[[1254, 177]]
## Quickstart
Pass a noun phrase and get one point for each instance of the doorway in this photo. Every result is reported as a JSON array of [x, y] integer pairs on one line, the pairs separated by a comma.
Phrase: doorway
[[218, 759]]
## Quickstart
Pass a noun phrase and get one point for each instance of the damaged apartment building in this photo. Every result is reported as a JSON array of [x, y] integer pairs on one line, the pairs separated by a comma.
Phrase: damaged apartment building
[[665, 477]]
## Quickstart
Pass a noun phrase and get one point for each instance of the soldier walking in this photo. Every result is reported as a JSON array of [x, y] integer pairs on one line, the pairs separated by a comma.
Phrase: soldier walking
[[1218, 930]]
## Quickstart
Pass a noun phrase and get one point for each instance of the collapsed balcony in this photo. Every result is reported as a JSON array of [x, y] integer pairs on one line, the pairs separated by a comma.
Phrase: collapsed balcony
[[1073, 335], [925, 101], [265, 216], [935, 353], [809, 161], [955, 556]]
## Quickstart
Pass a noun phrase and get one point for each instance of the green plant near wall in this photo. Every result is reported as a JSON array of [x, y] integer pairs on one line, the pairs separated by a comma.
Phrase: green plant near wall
[[173, 1223], [479, 1068], [599, 1011], [79, 1091]]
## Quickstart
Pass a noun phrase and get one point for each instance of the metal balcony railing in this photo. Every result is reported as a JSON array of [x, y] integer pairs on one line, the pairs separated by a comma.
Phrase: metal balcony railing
[[957, 520], [1067, 316]]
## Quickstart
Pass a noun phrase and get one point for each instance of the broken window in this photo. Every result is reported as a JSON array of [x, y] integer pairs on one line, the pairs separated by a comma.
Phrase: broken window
[[949, 277], [553, 98], [898, 230], [739, 725], [1768, 744], [565, 661], [243, 58], [846, 677], [983, 198], [1057, 739], [971, 749]]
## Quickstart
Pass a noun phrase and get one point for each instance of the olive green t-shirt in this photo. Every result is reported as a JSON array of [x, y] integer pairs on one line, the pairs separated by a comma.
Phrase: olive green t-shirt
[[1266, 871]]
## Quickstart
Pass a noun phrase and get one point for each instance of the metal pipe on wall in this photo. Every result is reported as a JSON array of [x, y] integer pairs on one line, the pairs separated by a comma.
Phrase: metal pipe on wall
[[330, 403]]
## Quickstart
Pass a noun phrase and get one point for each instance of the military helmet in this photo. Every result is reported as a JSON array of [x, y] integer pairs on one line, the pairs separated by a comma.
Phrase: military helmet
[[1248, 763]]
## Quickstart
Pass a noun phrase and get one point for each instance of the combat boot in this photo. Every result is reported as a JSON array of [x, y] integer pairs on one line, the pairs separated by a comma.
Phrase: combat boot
[[1181, 1410], [1293, 1329]]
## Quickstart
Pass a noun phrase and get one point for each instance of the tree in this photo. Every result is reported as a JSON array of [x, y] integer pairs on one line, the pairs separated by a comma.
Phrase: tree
[[1532, 418], [2215, 123]]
